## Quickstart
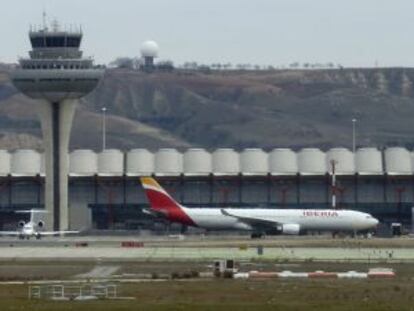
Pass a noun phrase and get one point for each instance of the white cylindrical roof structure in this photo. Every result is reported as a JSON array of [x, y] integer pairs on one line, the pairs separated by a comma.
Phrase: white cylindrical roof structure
[[412, 159], [226, 162], [344, 161], [283, 161], [168, 162], [253, 161], [311, 161], [368, 161], [5, 159], [197, 162], [42, 164], [398, 161], [83, 162], [25, 162], [140, 162], [111, 163]]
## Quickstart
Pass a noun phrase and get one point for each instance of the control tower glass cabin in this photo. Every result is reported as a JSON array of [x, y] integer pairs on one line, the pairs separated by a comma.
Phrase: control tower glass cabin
[[56, 76]]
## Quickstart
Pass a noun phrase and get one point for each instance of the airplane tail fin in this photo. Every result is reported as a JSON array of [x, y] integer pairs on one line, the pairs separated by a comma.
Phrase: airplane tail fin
[[161, 202]]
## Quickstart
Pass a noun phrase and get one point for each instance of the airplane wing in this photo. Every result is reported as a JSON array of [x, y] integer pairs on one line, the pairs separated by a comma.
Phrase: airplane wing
[[10, 233], [253, 221], [47, 233], [154, 213], [31, 211]]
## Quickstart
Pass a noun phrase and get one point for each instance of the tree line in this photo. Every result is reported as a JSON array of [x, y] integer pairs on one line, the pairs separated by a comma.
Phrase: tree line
[[168, 65]]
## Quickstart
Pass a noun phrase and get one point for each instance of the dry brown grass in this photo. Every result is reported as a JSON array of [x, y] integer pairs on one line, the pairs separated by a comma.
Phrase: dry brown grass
[[238, 295]]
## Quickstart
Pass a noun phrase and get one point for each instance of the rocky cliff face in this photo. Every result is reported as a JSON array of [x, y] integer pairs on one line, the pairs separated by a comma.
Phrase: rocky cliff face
[[230, 109]]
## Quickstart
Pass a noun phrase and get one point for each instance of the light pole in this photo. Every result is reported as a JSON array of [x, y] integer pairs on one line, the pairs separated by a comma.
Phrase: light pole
[[333, 169], [103, 128], [353, 135]]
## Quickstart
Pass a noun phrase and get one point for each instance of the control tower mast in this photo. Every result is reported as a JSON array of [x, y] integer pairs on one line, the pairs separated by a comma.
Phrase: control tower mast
[[56, 75]]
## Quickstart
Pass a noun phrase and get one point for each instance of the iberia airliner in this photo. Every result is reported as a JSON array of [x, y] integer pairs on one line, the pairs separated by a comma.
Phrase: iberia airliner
[[256, 220]]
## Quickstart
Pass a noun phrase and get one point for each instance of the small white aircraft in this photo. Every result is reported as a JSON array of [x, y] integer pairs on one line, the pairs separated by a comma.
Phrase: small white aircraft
[[34, 227], [256, 220]]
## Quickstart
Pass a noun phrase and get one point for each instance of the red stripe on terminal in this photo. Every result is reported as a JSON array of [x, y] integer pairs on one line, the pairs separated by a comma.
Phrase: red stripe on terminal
[[164, 204]]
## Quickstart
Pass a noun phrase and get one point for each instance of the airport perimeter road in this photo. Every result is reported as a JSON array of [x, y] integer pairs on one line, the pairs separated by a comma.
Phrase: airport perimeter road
[[200, 241], [211, 241]]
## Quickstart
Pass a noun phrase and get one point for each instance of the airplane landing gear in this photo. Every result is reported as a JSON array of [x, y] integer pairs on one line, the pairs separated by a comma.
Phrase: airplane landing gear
[[256, 235], [38, 236]]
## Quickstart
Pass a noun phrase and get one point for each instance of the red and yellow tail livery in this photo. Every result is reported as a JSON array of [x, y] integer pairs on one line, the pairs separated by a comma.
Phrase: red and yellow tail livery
[[161, 202]]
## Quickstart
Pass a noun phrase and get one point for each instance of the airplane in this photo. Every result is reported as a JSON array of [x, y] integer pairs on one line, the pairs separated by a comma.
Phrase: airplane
[[34, 227], [258, 221]]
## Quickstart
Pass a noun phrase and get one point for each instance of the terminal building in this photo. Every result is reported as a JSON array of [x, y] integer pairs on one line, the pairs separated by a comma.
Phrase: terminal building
[[105, 192]]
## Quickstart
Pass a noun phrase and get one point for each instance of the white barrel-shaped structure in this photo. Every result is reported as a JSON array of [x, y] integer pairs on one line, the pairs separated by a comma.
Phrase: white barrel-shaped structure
[[139, 162], [343, 160], [83, 162], [412, 164], [197, 162], [5, 159], [311, 161], [111, 163], [282, 161], [368, 161], [168, 162], [398, 161], [42, 165], [253, 161], [226, 162], [25, 162]]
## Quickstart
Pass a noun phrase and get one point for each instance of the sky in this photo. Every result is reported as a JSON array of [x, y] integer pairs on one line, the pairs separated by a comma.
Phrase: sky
[[356, 33]]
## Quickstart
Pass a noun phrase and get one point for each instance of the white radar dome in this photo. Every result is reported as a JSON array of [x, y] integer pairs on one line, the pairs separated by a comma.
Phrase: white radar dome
[[149, 49]]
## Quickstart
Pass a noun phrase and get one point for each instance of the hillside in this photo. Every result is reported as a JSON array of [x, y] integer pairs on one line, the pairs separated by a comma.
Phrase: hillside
[[291, 108]]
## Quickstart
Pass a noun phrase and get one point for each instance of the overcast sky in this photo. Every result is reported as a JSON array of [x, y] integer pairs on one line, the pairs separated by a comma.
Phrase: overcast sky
[[277, 32]]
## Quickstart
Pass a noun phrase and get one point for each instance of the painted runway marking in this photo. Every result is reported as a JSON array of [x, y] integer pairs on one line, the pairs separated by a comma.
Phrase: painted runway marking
[[99, 272]]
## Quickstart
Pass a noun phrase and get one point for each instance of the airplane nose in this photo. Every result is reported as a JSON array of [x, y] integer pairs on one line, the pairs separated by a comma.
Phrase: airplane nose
[[375, 222]]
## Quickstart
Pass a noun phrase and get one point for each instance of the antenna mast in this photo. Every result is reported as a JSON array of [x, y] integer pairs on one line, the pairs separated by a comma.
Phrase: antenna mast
[[44, 19]]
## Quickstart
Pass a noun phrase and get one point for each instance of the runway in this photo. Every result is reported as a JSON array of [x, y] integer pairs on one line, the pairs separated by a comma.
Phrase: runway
[[202, 254], [177, 248]]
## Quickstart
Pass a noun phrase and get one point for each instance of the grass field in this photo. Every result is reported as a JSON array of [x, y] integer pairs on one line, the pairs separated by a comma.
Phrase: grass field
[[237, 295], [225, 294]]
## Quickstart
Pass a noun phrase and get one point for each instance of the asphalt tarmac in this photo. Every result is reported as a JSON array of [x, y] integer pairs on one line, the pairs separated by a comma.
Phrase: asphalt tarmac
[[200, 248]]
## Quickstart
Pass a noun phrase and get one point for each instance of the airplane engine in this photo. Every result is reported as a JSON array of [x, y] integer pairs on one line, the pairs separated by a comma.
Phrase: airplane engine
[[41, 224], [21, 224], [292, 229]]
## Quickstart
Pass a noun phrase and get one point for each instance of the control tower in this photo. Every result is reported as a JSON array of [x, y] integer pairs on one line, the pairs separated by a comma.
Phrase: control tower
[[56, 76]]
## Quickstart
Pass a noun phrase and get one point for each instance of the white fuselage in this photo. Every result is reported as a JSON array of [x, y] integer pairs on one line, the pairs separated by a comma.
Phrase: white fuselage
[[29, 230], [34, 227], [314, 220]]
